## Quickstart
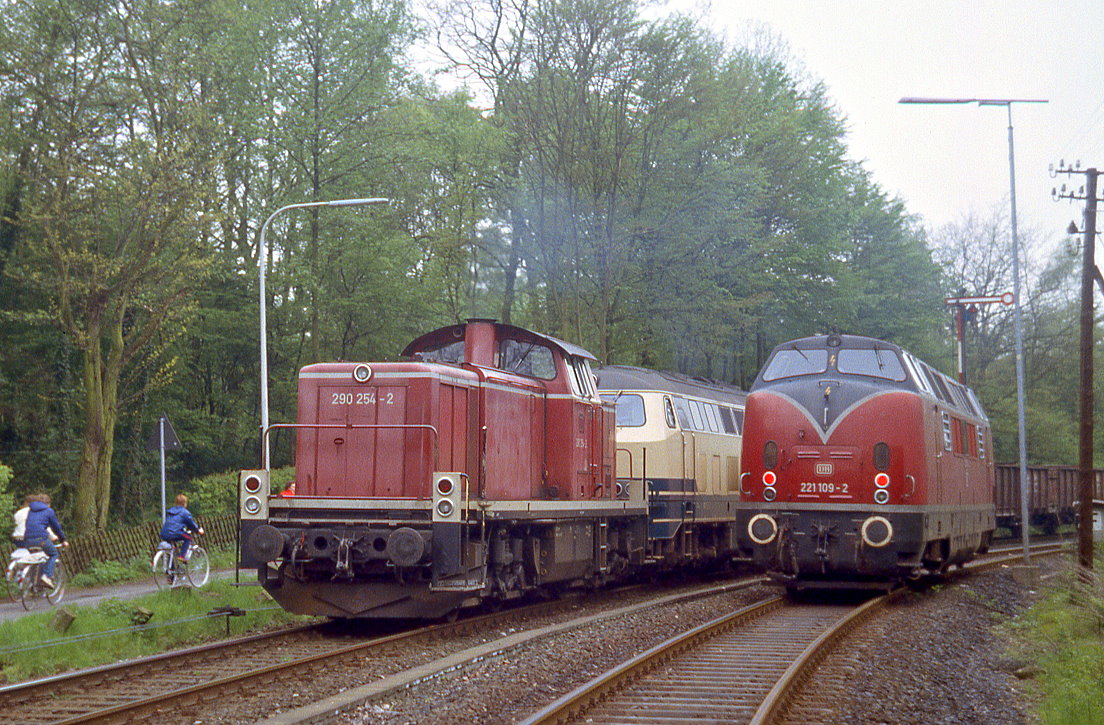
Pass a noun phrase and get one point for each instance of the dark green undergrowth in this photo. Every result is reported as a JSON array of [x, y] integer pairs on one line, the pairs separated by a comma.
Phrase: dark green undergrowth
[[1063, 636], [107, 632], [137, 569]]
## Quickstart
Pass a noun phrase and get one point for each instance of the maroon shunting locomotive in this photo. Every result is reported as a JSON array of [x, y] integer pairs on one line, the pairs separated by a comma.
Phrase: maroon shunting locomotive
[[862, 466], [482, 468]]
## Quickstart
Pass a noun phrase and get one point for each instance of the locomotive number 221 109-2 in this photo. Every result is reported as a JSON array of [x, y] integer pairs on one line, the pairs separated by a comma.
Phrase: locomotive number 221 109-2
[[367, 397], [823, 487]]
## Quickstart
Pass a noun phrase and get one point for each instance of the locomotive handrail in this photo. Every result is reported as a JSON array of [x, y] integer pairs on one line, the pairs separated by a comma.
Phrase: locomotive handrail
[[630, 455], [909, 477], [742, 476], [359, 426]]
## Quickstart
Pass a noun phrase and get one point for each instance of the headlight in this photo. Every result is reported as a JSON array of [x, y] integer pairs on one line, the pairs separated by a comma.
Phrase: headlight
[[252, 505], [881, 496], [769, 494], [362, 373], [762, 529], [444, 507], [877, 531]]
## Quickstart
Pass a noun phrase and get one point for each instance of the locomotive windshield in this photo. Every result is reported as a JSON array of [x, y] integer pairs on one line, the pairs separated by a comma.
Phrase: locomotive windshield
[[630, 409], [873, 363], [527, 358], [793, 362], [452, 352]]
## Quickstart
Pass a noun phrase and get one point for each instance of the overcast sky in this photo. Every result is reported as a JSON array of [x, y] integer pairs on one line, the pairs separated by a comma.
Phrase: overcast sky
[[948, 161]]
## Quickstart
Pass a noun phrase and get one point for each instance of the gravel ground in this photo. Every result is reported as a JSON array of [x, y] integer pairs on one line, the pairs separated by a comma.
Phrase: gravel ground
[[311, 686], [509, 688], [934, 658]]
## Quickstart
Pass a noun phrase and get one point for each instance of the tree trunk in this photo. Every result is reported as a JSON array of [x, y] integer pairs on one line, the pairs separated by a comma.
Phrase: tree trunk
[[101, 385]]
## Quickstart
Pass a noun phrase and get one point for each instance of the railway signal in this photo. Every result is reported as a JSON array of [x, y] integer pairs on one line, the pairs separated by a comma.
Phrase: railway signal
[[966, 311]]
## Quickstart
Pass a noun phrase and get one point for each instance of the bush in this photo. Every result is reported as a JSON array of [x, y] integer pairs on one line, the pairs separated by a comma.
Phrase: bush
[[217, 494], [1061, 635], [112, 572]]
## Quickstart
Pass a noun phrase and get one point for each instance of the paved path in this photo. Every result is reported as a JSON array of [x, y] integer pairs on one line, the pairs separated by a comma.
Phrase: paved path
[[90, 596]]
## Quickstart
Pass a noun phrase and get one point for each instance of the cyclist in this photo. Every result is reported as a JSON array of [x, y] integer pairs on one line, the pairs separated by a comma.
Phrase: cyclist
[[178, 526], [41, 520], [20, 519]]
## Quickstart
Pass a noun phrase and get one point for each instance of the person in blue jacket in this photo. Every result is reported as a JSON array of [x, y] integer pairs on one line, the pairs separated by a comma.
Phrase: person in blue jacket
[[41, 520], [179, 525]]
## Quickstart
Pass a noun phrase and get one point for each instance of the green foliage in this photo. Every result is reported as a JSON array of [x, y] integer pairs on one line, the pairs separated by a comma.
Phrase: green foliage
[[52, 653], [1063, 636], [217, 494], [112, 572], [633, 185]]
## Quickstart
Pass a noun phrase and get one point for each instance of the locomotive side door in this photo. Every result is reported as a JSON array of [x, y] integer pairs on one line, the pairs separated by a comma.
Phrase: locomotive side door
[[589, 423]]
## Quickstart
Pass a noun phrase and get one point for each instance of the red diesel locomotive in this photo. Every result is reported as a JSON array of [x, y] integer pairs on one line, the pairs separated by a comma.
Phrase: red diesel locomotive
[[482, 468], [862, 466]]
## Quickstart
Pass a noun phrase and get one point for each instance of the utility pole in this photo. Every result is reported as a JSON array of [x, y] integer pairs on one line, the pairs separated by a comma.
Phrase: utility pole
[[1089, 273]]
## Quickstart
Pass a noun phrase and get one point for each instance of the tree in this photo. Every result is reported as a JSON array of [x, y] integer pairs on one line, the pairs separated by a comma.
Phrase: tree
[[110, 232]]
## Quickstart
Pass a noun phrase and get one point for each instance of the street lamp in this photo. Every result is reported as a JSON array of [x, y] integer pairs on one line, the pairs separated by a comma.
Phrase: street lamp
[[1017, 315], [262, 255]]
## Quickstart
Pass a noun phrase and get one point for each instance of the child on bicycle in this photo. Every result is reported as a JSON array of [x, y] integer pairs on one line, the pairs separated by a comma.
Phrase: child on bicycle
[[178, 526], [41, 521], [20, 520]]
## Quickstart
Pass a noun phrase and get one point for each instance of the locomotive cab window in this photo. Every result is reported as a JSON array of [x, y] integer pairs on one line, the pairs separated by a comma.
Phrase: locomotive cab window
[[872, 363], [917, 377], [682, 407], [629, 409], [795, 362], [728, 417], [527, 358], [582, 380], [669, 413], [453, 352]]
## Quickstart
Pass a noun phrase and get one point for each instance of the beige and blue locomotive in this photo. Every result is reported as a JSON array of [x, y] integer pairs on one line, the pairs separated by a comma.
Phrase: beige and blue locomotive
[[678, 442]]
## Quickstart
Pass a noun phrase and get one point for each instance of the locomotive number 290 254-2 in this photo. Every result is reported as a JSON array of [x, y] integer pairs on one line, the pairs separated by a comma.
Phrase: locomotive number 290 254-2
[[367, 397]]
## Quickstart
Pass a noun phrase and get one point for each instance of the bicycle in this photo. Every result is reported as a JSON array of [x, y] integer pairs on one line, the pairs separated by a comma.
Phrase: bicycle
[[24, 575], [170, 572]]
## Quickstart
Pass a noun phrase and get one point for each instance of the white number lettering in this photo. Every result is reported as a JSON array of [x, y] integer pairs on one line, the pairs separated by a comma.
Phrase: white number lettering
[[367, 397]]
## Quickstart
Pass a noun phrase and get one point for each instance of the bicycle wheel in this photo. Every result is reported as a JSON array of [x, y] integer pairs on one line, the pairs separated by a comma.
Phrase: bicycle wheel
[[198, 567], [55, 595], [11, 581], [32, 591], [162, 568]]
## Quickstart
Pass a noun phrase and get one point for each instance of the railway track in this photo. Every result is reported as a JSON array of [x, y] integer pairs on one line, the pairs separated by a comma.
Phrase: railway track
[[177, 686], [769, 649]]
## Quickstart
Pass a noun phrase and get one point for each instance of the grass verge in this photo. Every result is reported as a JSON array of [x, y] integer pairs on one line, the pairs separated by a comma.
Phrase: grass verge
[[118, 629], [1063, 637]]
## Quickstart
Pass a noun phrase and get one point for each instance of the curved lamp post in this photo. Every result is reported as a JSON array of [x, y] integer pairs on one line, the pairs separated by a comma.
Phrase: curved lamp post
[[262, 256], [1018, 318]]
